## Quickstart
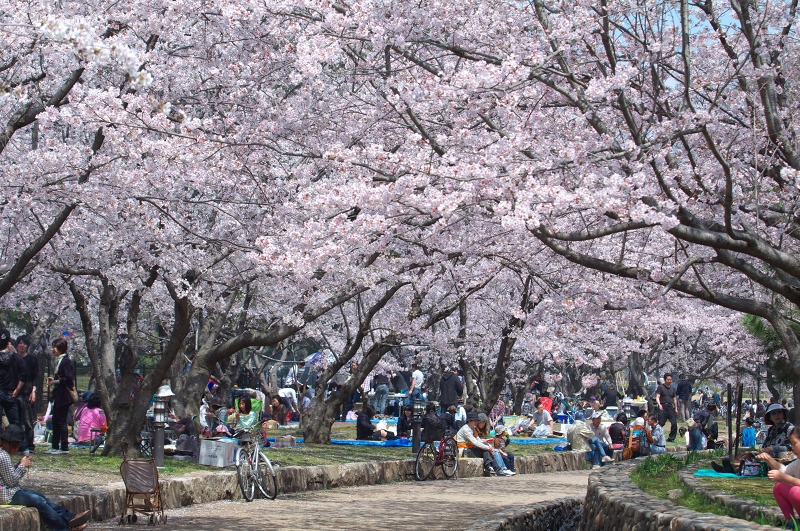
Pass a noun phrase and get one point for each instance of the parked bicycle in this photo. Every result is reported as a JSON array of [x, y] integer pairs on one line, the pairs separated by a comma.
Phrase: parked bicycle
[[429, 455], [253, 467]]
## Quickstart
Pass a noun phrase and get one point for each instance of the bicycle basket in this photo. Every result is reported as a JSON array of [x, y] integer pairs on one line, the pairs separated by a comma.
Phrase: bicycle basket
[[434, 433]]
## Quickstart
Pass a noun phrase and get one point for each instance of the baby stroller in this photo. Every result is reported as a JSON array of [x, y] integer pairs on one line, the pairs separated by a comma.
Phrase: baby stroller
[[142, 491]]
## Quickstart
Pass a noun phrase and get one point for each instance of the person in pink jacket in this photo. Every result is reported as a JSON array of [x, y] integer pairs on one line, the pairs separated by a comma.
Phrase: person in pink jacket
[[91, 417]]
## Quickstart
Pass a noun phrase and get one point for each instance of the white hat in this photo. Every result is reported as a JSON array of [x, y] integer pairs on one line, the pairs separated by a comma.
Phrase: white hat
[[597, 415], [165, 390]]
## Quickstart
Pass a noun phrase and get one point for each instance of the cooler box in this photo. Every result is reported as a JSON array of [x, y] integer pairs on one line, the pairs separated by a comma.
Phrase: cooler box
[[563, 418], [219, 453]]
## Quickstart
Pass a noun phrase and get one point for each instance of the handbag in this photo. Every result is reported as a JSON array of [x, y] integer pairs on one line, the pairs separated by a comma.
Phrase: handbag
[[73, 393], [749, 467], [634, 446]]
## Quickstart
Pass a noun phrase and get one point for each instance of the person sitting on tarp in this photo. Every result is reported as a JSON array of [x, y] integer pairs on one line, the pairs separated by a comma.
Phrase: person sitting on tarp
[[365, 431], [404, 422]]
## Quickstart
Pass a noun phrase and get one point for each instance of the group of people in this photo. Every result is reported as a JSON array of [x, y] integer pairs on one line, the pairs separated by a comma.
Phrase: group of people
[[19, 371]]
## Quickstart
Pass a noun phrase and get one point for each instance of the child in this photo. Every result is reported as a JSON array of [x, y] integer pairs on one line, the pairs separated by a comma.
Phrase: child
[[787, 480], [503, 458], [748, 433], [245, 417]]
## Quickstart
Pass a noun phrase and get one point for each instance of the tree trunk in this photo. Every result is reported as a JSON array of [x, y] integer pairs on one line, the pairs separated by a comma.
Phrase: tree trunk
[[796, 399], [321, 413], [635, 375]]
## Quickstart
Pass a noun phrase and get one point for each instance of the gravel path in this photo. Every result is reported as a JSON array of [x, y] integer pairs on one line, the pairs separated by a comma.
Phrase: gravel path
[[432, 505]]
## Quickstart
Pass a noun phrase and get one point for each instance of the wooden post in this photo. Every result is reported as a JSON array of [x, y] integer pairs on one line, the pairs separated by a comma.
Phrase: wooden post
[[739, 393], [729, 407]]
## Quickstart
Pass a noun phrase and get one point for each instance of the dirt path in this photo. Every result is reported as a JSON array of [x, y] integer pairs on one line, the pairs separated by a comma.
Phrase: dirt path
[[432, 505]]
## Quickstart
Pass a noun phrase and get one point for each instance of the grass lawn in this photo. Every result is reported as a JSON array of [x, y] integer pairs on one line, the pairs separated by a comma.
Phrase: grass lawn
[[656, 476], [757, 489]]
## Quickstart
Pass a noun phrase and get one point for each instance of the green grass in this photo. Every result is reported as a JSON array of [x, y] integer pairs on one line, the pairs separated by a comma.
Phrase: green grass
[[658, 475], [757, 489], [79, 459]]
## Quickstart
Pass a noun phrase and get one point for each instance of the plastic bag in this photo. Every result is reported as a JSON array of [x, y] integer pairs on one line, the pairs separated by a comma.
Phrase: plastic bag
[[542, 431]]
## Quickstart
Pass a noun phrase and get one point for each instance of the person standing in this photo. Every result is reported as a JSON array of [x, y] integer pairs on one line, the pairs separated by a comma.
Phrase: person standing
[[63, 384], [450, 389], [684, 393], [12, 379], [381, 384], [417, 379], [26, 401], [667, 406]]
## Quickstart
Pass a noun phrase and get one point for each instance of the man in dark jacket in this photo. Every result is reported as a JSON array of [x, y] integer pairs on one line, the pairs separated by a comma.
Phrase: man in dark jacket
[[450, 389], [26, 400], [684, 392], [12, 378]]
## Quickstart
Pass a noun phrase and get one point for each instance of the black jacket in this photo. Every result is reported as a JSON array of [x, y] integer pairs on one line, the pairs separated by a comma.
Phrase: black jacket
[[65, 375], [12, 370], [450, 388], [403, 425], [364, 428]]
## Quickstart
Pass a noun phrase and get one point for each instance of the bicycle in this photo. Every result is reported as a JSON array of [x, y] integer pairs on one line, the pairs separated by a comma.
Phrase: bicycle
[[429, 456], [253, 468]]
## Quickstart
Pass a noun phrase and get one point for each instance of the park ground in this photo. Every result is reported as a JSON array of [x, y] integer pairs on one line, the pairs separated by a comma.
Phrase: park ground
[[430, 505]]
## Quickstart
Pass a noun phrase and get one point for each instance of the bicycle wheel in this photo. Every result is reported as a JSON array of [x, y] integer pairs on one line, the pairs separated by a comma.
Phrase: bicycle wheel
[[450, 458], [426, 460], [267, 481], [244, 475]]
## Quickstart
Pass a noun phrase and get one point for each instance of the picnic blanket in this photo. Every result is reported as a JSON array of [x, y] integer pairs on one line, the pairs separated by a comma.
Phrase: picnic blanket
[[298, 441], [350, 442], [533, 440], [708, 473]]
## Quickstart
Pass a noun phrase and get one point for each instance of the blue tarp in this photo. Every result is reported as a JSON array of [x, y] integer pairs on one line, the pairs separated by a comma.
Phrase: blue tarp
[[707, 473], [534, 440], [349, 442], [298, 441]]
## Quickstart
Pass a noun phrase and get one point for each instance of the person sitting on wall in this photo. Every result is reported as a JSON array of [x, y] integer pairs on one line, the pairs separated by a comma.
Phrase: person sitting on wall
[[470, 441], [56, 517]]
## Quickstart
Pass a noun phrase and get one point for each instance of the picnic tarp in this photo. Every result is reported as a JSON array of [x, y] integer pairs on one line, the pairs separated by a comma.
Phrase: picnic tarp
[[708, 473], [536, 440], [350, 442]]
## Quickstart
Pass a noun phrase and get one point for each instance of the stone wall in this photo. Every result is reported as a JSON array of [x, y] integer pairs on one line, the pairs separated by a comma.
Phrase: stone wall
[[205, 487], [563, 514], [614, 503], [739, 506]]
